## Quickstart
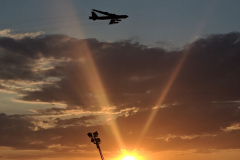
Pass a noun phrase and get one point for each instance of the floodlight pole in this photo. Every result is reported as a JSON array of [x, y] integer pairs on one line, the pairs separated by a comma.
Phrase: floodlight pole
[[97, 141], [100, 151]]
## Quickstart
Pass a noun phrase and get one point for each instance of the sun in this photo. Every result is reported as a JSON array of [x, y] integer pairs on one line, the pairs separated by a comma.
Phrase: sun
[[129, 158], [129, 155]]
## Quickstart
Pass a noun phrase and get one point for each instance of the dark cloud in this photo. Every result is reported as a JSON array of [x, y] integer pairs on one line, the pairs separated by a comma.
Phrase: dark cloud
[[18, 57], [123, 66], [184, 119], [19, 132], [15, 130], [133, 74], [210, 72], [1, 87], [75, 121], [184, 127]]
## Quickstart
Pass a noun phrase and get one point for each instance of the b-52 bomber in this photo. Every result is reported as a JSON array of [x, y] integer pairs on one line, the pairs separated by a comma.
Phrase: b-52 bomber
[[109, 16]]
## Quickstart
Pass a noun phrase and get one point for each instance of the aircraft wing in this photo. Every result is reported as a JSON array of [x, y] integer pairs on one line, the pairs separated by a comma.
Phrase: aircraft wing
[[113, 22], [106, 13]]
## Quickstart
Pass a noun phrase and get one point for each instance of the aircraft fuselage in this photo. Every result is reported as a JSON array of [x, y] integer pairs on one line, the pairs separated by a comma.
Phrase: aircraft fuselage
[[110, 17]]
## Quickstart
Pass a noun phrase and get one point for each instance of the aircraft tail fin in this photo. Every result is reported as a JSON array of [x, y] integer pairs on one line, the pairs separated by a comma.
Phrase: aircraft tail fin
[[94, 16]]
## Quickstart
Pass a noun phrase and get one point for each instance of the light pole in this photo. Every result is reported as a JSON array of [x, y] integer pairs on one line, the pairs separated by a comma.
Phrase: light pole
[[97, 141]]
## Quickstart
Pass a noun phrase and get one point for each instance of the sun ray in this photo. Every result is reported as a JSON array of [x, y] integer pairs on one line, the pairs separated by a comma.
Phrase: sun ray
[[164, 94], [176, 71], [92, 76]]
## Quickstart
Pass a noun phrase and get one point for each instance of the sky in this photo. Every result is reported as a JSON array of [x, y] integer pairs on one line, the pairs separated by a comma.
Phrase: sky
[[161, 84]]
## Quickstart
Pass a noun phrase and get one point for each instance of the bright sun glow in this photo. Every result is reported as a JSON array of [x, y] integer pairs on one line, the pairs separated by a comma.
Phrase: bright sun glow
[[129, 158], [132, 155]]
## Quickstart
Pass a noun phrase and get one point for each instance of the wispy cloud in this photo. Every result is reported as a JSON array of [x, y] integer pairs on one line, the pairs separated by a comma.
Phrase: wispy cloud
[[9, 33]]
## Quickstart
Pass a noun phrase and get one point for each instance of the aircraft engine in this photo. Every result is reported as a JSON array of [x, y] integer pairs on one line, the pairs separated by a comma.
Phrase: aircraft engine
[[92, 18]]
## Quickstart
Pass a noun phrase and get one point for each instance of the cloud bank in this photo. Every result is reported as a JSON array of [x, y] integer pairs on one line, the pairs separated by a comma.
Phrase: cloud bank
[[200, 111]]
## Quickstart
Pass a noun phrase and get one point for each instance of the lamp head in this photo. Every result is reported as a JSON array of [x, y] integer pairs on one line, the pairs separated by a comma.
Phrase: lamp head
[[95, 134], [89, 135]]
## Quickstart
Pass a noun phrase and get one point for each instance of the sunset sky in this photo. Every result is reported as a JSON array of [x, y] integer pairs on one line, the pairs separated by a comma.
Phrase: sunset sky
[[162, 84]]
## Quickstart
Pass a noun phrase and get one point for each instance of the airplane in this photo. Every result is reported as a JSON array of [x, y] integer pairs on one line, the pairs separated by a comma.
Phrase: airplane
[[109, 16]]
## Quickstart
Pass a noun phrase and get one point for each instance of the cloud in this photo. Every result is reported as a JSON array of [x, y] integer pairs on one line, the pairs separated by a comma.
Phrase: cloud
[[8, 33], [184, 127], [20, 58], [75, 121], [15, 129], [18, 132], [189, 119], [192, 128], [134, 77], [210, 71]]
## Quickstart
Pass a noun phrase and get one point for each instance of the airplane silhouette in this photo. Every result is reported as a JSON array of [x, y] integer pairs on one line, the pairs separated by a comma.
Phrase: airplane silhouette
[[109, 16]]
